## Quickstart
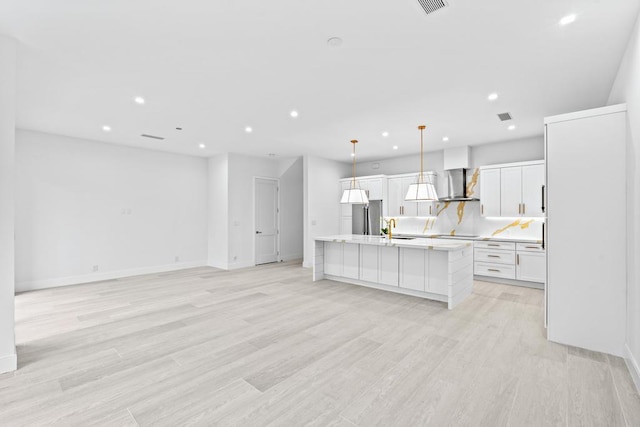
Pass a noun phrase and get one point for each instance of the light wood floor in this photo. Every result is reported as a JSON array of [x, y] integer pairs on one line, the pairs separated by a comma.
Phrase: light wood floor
[[268, 346]]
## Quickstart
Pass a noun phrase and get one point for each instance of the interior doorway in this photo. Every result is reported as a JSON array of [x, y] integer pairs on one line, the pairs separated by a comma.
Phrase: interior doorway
[[267, 220]]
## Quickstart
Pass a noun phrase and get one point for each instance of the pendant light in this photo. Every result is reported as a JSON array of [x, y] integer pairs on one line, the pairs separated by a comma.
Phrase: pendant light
[[354, 194], [422, 190]]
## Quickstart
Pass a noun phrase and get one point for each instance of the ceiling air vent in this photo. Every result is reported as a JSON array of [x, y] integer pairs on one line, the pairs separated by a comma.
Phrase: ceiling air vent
[[504, 117], [144, 135], [431, 6]]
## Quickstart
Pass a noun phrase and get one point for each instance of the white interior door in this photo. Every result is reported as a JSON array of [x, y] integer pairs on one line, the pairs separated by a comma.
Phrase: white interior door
[[266, 202]]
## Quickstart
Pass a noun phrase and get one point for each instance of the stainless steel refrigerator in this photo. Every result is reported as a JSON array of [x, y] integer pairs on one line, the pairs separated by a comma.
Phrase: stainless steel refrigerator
[[366, 219]]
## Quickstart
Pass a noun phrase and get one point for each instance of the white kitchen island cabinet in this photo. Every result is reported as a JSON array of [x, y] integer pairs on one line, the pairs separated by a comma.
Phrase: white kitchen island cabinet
[[436, 269]]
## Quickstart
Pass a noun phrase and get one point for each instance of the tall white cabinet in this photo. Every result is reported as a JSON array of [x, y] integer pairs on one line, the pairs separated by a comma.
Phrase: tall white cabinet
[[586, 266]]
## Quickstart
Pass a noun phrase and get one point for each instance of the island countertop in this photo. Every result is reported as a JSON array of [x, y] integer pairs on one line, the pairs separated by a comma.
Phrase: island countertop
[[418, 242]]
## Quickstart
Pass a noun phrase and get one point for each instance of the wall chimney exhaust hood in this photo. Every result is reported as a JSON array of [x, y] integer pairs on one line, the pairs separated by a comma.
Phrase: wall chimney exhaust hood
[[456, 160]]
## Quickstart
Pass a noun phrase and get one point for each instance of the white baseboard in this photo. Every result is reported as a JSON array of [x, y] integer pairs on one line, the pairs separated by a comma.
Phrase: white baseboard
[[8, 363], [633, 366], [291, 257], [108, 275]]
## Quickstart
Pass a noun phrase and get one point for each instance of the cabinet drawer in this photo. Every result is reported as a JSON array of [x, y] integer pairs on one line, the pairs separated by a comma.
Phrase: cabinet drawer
[[498, 257], [495, 270], [529, 247], [488, 244]]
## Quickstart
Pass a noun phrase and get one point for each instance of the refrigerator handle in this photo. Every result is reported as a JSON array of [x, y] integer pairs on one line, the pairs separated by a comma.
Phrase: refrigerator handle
[[543, 235]]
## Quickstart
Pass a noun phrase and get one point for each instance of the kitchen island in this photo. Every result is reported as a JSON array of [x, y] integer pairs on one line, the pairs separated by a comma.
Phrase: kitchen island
[[436, 269]]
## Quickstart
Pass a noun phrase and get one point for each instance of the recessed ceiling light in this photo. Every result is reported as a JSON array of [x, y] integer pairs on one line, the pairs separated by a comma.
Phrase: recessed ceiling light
[[445, 139], [293, 114], [385, 134], [512, 127], [139, 100], [492, 97], [106, 128], [395, 147], [568, 19], [248, 129], [334, 41], [202, 146]]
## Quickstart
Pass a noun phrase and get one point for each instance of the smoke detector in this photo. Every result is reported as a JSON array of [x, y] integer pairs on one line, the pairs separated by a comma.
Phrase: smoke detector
[[431, 6]]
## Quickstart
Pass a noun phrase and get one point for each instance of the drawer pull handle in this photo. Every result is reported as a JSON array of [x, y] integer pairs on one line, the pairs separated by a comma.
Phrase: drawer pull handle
[[532, 247], [493, 256], [493, 269], [493, 244]]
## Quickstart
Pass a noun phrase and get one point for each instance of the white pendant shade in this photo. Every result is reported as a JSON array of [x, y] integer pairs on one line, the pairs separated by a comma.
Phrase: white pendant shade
[[355, 196], [422, 191]]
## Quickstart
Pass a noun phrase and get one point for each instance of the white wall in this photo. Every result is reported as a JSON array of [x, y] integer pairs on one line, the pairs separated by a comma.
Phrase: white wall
[[242, 170], [291, 210], [627, 89], [218, 212], [83, 203], [517, 150], [8, 361], [232, 207], [322, 195]]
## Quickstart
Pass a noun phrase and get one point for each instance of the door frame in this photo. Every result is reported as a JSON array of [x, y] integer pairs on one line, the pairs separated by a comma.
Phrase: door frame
[[253, 215]]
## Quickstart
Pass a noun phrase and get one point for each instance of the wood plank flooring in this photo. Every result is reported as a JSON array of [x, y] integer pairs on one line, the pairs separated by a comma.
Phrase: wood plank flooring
[[267, 346]]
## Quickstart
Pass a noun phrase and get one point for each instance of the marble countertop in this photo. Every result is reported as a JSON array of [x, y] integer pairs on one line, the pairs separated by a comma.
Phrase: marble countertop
[[418, 242]]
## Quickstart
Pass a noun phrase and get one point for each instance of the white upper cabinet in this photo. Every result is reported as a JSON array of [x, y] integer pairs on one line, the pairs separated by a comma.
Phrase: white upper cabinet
[[398, 206], [533, 190], [512, 191], [490, 192]]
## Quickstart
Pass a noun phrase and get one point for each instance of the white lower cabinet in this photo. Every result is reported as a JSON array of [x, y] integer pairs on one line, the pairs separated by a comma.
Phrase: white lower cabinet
[[388, 265], [350, 261], [438, 272], [440, 275], [506, 260], [369, 263], [413, 269], [333, 258], [531, 267]]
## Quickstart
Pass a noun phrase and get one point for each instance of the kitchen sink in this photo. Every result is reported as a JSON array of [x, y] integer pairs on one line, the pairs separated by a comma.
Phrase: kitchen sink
[[402, 238]]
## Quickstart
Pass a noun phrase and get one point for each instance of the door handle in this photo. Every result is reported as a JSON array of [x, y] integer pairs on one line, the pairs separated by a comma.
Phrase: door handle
[[543, 235], [258, 232], [518, 259], [524, 208], [481, 209], [543, 207]]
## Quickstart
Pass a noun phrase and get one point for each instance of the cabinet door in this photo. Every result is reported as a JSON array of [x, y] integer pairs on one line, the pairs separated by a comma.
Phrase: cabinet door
[[409, 208], [395, 197], [374, 188], [369, 263], [531, 266], [490, 192], [333, 258], [351, 260], [426, 209], [345, 224], [412, 268], [438, 272], [388, 266], [532, 183], [511, 191]]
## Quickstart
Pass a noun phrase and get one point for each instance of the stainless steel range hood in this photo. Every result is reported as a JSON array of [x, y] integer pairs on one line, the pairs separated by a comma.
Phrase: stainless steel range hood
[[457, 187]]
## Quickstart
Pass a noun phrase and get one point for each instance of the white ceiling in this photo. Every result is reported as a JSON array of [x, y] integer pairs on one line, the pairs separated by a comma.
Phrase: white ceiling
[[216, 66]]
